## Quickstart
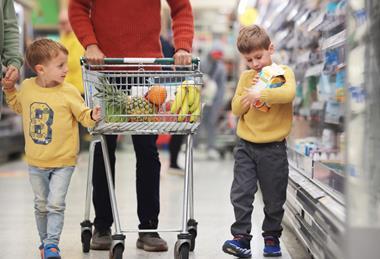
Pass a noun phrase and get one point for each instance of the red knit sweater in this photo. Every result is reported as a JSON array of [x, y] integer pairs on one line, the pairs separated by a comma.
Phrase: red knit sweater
[[130, 28]]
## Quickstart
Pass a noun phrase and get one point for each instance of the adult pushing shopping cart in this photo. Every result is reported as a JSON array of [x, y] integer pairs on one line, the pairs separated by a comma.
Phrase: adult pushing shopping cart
[[144, 96]]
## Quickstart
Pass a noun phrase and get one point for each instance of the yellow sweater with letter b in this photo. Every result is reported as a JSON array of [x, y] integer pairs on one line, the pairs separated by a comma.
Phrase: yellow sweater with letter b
[[264, 127], [50, 120]]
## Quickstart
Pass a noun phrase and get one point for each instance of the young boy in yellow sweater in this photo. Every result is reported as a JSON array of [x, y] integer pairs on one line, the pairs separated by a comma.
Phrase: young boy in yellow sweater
[[51, 110], [260, 154]]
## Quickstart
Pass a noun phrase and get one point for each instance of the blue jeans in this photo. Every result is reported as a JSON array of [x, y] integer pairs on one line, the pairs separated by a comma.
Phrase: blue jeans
[[50, 187]]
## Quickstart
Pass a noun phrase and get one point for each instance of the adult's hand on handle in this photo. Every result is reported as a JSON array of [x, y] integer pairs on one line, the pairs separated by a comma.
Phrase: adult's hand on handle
[[94, 55], [182, 57]]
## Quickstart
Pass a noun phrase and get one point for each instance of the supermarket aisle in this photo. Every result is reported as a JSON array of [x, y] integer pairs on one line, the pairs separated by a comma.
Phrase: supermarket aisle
[[213, 211]]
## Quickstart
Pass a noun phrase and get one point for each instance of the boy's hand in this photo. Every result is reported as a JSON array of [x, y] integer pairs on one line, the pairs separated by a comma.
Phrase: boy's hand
[[10, 78], [8, 85], [245, 103], [11, 73], [251, 96], [96, 112], [255, 79]]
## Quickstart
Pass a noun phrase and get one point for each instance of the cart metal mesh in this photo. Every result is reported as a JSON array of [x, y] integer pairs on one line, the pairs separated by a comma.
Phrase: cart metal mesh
[[144, 96]]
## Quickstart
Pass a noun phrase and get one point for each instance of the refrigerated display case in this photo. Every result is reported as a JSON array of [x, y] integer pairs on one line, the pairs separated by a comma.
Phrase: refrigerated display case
[[363, 136]]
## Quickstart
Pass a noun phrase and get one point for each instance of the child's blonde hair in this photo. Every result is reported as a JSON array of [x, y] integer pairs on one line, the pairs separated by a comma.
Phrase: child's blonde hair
[[43, 50], [252, 38]]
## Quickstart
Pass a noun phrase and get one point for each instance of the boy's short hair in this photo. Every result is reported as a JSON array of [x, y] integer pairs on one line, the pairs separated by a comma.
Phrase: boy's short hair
[[43, 50], [252, 38]]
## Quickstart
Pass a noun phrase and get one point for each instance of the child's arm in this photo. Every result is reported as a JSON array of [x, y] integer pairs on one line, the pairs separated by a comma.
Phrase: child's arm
[[12, 95], [283, 94], [240, 104], [83, 114], [252, 94]]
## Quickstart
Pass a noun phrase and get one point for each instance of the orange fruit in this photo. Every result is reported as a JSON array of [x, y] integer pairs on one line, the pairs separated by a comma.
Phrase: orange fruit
[[156, 94]]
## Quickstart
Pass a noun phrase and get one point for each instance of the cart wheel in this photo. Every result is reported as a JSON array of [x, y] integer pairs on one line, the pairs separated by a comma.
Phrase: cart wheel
[[184, 251], [117, 252], [86, 238], [193, 233], [192, 228]]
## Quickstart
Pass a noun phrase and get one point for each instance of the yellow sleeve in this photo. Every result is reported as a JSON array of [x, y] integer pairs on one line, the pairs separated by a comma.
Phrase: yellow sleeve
[[283, 94], [79, 109], [13, 100], [237, 108]]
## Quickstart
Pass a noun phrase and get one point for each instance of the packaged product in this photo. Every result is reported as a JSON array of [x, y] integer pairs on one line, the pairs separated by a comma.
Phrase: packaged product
[[269, 77]]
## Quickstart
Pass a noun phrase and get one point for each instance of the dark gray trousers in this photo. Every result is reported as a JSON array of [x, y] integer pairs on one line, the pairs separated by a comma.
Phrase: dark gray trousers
[[266, 164]]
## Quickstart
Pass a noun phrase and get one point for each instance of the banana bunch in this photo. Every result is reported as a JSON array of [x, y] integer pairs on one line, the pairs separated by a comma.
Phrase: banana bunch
[[187, 101]]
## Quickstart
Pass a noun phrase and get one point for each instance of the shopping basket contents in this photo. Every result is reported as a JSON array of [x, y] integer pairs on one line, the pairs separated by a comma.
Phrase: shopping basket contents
[[167, 100]]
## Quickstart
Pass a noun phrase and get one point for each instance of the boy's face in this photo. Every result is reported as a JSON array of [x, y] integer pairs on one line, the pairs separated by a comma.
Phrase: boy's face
[[258, 59], [54, 71]]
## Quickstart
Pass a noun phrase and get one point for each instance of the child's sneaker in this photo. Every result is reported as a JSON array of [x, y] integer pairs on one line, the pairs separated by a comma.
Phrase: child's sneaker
[[272, 246], [51, 251], [239, 246], [41, 248]]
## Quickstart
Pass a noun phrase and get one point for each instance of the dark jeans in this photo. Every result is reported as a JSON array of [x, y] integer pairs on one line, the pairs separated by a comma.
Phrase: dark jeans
[[266, 164], [148, 168]]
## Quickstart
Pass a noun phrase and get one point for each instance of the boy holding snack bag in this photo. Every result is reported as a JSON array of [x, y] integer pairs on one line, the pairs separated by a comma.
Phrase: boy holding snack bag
[[263, 103]]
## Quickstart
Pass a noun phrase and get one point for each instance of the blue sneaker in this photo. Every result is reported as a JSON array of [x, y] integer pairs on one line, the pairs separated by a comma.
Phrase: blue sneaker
[[239, 246], [272, 246], [51, 251]]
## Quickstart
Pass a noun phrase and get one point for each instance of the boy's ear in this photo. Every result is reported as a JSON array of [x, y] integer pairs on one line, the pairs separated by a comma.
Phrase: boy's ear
[[271, 49], [39, 69]]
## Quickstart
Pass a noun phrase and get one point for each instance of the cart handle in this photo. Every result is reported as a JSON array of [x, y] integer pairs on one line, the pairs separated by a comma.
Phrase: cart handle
[[154, 61]]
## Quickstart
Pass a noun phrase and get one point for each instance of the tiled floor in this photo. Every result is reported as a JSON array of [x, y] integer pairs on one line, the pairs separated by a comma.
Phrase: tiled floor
[[18, 234]]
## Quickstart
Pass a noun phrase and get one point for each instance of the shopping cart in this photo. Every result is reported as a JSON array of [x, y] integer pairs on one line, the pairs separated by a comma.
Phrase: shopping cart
[[143, 96]]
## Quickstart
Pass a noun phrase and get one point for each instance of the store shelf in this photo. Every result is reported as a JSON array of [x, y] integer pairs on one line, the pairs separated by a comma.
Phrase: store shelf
[[334, 41], [315, 70], [316, 22]]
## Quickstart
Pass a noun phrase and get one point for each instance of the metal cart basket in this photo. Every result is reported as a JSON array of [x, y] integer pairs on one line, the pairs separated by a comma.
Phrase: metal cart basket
[[143, 96]]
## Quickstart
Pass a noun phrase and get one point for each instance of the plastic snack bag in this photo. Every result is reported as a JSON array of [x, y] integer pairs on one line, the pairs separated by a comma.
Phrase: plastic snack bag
[[269, 77]]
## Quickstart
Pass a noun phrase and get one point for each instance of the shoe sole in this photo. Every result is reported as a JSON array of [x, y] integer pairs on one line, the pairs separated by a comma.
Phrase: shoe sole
[[100, 246], [272, 255], [141, 245], [231, 251]]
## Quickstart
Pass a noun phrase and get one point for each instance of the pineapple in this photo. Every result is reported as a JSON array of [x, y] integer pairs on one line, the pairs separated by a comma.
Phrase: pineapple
[[114, 100], [139, 106], [117, 102]]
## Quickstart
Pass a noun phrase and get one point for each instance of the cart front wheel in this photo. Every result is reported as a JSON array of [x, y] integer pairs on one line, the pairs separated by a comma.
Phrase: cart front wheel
[[183, 252], [117, 252], [86, 239]]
